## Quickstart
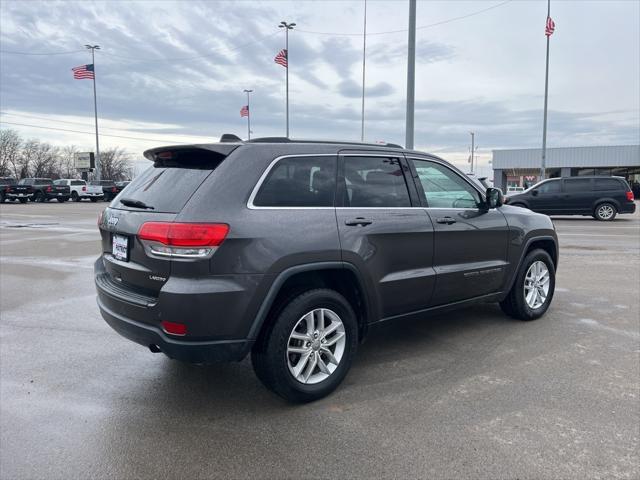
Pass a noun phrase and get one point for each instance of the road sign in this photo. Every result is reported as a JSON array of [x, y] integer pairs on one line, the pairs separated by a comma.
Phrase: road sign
[[85, 161]]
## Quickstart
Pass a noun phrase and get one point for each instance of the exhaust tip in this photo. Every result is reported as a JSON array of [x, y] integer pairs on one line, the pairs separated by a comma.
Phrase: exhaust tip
[[154, 348]]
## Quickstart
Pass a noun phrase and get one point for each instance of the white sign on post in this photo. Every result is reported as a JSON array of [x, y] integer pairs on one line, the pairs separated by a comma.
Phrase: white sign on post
[[84, 161]]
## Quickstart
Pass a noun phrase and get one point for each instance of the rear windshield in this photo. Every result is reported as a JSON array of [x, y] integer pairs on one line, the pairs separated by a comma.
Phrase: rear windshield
[[170, 182]]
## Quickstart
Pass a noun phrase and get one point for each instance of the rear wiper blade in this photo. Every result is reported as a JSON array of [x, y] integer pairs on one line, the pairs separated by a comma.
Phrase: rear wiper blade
[[130, 202]]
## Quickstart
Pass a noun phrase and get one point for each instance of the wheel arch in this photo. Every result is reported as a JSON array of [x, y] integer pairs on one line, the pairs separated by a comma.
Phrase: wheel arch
[[547, 243], [339, 276]]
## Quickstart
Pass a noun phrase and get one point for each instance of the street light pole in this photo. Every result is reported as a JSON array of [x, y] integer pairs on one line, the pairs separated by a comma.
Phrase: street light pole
[[248, 114], [287, 27], [472, 148], [364, 58], [411, 75], [95, 108], [543, 165]]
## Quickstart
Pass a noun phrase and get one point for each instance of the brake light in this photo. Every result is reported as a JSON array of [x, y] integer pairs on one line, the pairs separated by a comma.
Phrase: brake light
[[174, 328], [187, 240], [84, 188], [630, 196], [49, 188], [6, 189], [113, 189]]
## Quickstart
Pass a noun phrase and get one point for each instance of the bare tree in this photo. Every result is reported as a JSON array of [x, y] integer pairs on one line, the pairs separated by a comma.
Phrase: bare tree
[[115, 164], [67, 161], [44, 161], [10, 144]]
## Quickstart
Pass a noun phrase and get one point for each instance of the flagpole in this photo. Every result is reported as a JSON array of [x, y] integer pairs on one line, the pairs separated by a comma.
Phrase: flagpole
[[364, 58], [543, 165], [95, 109], [248, 115], [411, 76], [287, 27]]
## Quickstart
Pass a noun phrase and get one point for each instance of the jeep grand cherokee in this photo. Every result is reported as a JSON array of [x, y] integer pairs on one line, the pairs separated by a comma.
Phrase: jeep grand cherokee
[[291, 250]]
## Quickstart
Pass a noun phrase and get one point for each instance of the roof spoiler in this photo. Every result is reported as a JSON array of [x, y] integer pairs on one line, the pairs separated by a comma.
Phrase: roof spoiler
[[230, 138], [176, 152]]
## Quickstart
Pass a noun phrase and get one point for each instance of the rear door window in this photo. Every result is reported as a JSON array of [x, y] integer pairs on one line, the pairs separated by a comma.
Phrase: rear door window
[[374, 182], [608, 184], [299, 182], [577, 185]]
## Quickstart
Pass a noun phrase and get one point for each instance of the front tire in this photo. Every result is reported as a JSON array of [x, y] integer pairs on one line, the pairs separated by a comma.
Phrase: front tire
[[94, 199], [605, 212], [307, 350], [23, 200], [532, 291], [39, 197]]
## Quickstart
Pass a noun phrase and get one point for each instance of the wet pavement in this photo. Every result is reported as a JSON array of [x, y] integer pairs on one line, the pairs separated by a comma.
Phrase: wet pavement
[[469, 394]]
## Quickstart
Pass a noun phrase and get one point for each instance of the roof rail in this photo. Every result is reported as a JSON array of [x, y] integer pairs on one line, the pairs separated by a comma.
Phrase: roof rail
[[289, 140]]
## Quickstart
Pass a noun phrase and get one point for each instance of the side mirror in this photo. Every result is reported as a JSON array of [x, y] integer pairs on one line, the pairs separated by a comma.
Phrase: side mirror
[[495, 198], [534, 193]]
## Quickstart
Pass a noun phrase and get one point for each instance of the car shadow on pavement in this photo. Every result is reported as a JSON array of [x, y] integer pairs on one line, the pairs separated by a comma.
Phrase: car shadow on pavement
[[233, 387]]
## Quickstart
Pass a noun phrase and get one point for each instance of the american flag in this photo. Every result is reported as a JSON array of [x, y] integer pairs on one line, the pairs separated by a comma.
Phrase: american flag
[[281, 58], [550, 27], [244, 111], [83, 71]]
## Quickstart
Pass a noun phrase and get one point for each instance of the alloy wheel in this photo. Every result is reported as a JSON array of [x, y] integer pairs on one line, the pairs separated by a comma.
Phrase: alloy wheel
[[605, 211], [536, 284], [316, 346]]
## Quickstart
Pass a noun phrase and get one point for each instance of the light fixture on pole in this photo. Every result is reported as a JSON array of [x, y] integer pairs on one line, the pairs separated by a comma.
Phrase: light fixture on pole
[[287, 27], [248, 114], [93, 48]]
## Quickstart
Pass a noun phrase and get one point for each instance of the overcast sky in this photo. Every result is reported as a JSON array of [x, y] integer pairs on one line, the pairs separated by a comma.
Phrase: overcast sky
[[174, 71]]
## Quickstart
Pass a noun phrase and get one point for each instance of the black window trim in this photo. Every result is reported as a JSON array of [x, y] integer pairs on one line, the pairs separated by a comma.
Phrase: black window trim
[[418, 185], [265, 174], [406, 171]]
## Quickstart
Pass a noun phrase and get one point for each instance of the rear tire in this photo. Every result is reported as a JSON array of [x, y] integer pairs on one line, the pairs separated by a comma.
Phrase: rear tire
[[605, 212], [23, 200], [298, 326], [75, 197], [94, 200], [518, 304], [2, 199], [39, 197]]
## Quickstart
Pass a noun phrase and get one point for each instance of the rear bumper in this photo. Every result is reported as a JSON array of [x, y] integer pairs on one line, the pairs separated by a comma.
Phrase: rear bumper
[[186, 351], [18, 195], [218, 312], [629, 207]]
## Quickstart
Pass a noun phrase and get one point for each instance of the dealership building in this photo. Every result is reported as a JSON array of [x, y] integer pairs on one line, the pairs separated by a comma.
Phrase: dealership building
[[521, 168]]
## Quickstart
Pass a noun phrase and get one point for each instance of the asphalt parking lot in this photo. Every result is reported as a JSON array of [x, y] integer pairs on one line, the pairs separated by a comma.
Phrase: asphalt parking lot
[[470, 394]]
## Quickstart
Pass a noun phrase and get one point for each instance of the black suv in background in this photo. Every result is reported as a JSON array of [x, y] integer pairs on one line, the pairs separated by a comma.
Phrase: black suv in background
[[601, 197], [45, 190], [292, 250]]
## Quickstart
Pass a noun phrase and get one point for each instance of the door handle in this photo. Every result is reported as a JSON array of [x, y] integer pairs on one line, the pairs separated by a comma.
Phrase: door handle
[[358, 221], [446, 220]]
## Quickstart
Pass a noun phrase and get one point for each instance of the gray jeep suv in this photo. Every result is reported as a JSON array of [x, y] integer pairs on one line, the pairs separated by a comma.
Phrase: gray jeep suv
[[292, 250]]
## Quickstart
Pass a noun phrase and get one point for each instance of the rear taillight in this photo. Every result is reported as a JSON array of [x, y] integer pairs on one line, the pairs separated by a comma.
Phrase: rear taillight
[[113, 189], [49, 188], [630, 196], [84, 189], [186, 240], [6, 189]]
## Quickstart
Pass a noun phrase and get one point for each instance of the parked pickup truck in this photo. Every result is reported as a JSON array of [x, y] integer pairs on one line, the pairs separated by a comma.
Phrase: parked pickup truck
[[80, 190], [45, 190], [10, 190], [108, 187]]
